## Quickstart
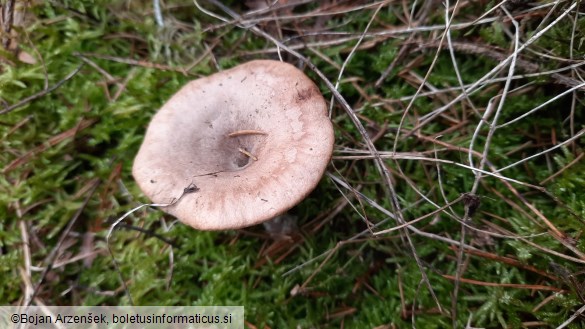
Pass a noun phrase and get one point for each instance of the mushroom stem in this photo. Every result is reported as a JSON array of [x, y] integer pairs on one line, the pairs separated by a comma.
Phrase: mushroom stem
[[246, 132], [247, 154]]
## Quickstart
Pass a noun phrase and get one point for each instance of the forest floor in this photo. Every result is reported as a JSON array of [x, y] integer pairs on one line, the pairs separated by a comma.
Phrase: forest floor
[[454, 197]]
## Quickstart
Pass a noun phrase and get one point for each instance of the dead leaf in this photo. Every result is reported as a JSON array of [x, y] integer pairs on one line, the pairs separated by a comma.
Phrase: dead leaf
[[27, 58]]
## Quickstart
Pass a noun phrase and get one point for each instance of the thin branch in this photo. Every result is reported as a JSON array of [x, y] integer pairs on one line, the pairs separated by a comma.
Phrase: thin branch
[[55, 252], [7, 18], [576, 136], [147, 233], [43, 92], [428, 117]]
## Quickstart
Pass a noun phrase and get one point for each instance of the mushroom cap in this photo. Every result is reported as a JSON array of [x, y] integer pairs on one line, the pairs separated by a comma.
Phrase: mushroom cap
[[283, 125]]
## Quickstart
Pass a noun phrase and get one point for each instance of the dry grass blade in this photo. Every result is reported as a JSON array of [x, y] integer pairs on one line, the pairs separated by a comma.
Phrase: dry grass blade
[[7, 18], [141, 63], [572, 318], [189, 189], [497, 54], [50, 260], [83, 124], [509, 261], [42, 93], [556, 174], [354, 119], [26, 273], [420, 218], [505, 285], [447, 115], [477, 84]]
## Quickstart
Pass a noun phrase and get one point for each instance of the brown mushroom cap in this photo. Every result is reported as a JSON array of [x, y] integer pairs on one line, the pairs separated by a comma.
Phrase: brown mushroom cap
[[282, 143]]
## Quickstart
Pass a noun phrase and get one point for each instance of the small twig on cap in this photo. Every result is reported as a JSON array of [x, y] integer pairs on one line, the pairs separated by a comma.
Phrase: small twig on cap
[[246, 132], [247, 154]]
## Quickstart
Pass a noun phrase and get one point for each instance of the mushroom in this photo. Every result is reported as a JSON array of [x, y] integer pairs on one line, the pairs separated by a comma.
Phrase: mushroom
[[236, 148]]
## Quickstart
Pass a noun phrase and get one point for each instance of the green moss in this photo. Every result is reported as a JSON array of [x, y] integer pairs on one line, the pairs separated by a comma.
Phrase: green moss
[[368, 282]]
